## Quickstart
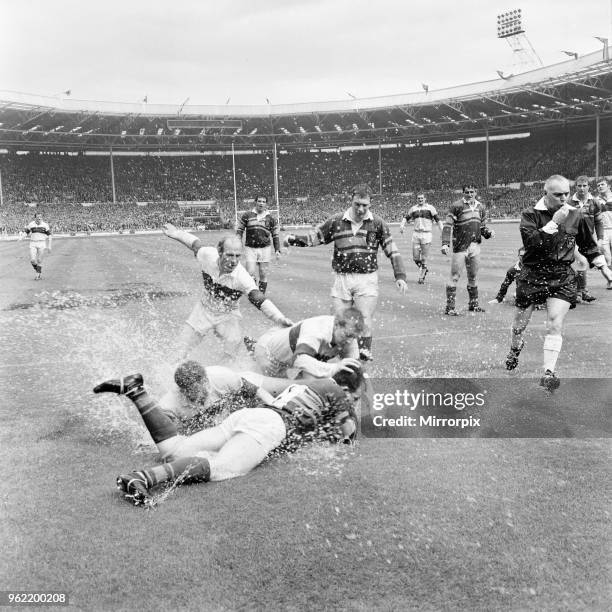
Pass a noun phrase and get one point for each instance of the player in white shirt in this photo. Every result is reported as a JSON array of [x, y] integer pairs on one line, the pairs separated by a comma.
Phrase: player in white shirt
[[424, 215], [225, 281], [39, 233], [304, 349]]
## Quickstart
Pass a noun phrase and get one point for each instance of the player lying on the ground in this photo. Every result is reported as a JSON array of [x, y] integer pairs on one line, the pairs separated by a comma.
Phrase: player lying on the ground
[[197, 387], [550, 231], [315, 410], [307, 346], [225, 281]]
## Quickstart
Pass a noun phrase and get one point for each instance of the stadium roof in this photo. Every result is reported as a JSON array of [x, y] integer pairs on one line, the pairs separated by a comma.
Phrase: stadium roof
[[572, 91]]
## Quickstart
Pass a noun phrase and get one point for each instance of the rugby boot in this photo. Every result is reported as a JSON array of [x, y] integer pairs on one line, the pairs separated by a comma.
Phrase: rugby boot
[[587, 297], [512, 358], [473, 305], [135, 488], [549, 381], [121, 386]]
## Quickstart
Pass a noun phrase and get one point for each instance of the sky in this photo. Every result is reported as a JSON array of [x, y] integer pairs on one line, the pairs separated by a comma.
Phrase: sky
[[284, 51]]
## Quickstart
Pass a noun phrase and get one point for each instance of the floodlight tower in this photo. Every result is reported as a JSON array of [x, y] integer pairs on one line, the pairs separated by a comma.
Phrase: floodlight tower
[[510, 27]]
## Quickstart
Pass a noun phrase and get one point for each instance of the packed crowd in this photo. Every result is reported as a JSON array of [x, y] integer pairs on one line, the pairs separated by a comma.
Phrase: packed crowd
[[311, 185]]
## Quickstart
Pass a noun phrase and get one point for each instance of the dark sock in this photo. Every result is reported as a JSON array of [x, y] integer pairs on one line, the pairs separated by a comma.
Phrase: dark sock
[[473, 296], [160, 425], [186, 469], [451, 294]]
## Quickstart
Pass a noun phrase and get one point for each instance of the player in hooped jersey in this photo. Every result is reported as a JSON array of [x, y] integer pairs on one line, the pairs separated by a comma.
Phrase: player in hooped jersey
[[466, 221], [590, 208], [40, 240], [316, 410], [357, 235], [424, 215], [225, 281], [261, 233], [604, 195]]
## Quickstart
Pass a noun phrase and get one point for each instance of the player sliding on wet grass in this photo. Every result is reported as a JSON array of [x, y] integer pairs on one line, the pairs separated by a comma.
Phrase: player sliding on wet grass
[[316, 410]]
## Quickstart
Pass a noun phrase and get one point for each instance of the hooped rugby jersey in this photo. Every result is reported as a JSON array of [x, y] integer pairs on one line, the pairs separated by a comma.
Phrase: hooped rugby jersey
[[591, 210], [222, 290], [261, 230], [356, 252], [314, 411], [467, 222], [38, 232], [423, 217]]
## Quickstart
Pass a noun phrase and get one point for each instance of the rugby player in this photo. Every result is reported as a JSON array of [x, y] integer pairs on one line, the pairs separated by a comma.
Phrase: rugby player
[[261, 233], [604, 194], [590, 209], [39, 233], [197, 387], [308, 346], [225, 281], [466, 221], [356, 235], [550, 231], [423, 214], [316, 410]]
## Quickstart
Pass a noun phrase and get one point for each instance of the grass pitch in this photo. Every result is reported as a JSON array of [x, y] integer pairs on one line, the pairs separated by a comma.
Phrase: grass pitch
[[421, 524]]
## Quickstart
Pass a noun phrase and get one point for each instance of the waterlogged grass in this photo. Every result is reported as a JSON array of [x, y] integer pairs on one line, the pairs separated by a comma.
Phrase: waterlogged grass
[[415, 524]]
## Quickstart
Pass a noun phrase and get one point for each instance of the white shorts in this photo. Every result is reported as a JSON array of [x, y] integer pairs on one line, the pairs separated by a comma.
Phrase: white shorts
[[349, 286], [203, 320], [266, 348], [37, 250], [262, 424], [258, 255], [422, 237]]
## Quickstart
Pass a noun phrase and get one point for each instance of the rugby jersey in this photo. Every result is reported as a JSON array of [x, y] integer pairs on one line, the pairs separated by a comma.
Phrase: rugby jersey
[[313, 337], [547, 252], [356, 252], [38, 232], [591, 211], [467, 222], [423, 217], [605, 202], [314, 411], [261, 230], [222, 290]]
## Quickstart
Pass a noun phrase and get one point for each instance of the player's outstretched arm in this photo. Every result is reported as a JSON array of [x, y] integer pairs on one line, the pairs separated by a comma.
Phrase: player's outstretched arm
[[267, 306], [180, 235]]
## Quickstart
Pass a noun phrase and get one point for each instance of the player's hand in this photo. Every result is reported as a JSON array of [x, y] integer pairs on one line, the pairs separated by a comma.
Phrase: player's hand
[[347, 364], [401, 285], [561, 215], [289, 240], [444, 249], [170, 230], [286, 322]]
